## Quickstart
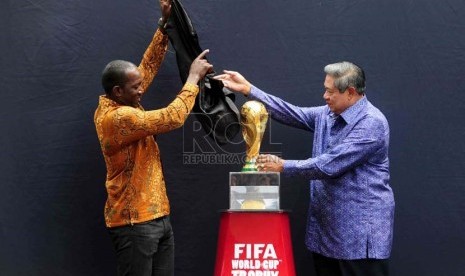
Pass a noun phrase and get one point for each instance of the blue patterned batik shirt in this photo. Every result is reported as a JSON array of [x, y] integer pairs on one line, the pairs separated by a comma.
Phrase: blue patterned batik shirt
[[351, 212]]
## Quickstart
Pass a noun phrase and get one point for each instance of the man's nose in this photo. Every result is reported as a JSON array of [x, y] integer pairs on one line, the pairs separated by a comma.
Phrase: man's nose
[[325, 95]]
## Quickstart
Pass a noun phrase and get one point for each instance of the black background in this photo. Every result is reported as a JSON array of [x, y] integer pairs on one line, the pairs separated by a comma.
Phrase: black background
[[52, 171]]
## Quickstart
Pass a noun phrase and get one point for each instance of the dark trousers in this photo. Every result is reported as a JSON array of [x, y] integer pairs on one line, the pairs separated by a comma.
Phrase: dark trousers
[[144, 249], [325, 266]]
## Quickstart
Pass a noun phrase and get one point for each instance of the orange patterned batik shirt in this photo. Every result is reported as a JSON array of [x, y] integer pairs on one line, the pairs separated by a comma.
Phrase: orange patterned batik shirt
[[134, 182]]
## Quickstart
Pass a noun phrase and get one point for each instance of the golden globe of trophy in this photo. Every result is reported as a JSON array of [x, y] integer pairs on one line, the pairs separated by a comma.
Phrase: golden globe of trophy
[[253, 120]]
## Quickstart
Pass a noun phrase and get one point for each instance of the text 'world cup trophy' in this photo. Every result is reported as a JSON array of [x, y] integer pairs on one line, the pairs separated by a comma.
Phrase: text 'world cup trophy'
[[253, 120]]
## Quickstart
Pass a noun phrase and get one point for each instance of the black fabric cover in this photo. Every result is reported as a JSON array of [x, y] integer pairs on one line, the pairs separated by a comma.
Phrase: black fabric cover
[[214, 107]]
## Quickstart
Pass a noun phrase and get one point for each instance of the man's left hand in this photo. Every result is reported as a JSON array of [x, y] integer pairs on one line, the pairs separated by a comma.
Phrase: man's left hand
[[269, 163]]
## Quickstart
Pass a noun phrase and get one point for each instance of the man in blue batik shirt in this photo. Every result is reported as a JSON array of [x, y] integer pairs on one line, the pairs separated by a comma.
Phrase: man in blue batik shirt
[[351, 212]]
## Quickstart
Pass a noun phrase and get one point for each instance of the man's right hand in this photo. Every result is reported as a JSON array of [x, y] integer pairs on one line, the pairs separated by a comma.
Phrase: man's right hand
[[235, 81], [199, 68]]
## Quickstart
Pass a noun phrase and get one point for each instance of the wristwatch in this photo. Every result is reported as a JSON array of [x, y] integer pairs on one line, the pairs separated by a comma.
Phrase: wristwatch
[[162, 24]]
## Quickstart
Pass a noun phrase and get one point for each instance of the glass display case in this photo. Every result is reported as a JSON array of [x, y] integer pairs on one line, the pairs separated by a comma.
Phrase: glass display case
[[254, 191]]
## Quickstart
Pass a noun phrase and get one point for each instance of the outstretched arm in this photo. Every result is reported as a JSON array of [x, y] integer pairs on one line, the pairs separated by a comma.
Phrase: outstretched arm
[[280, 110]]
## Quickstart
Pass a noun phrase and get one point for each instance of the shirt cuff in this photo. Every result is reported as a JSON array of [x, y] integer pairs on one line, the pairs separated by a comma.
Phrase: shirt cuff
[[289, 167], [254, 92], [191, 87]]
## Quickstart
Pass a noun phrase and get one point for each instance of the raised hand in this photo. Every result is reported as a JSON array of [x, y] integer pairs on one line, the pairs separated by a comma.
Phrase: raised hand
[[199, 68], [165, 7]]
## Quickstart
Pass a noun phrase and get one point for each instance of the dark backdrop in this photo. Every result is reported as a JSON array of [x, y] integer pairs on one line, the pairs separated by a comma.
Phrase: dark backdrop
[[52, 171]]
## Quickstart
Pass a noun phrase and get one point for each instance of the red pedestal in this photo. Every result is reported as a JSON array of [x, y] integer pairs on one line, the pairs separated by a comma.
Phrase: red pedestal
[[254, 243]]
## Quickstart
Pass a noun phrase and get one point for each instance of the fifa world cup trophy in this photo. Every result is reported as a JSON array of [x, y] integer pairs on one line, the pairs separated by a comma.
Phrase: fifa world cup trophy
[[253, 120]]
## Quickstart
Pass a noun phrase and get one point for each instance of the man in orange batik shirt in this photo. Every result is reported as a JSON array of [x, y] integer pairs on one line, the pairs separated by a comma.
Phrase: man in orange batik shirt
[[137, 208]]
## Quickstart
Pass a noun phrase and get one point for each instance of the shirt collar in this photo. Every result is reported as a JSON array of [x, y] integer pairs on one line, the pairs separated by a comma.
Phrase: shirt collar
[[350, 114], [105, 102]]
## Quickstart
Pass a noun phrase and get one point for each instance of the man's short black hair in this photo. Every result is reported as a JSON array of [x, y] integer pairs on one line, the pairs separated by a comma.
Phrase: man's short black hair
[[115, 74]]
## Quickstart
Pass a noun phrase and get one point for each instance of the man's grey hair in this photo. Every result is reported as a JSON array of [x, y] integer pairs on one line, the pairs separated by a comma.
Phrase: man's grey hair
[[347, 74], [115, 74]]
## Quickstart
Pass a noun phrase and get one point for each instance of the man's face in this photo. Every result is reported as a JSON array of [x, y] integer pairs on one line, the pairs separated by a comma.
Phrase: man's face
[[130, 92], [336, 101]]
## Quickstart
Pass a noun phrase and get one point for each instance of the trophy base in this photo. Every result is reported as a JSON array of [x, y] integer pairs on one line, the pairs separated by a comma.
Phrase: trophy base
[[250, 167]]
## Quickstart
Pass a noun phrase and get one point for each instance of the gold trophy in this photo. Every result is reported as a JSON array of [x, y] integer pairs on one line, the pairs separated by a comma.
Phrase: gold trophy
[[253, 120]]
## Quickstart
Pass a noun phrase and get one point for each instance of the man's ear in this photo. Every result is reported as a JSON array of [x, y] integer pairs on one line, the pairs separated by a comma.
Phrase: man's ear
[[352, 91], [116, 91]]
